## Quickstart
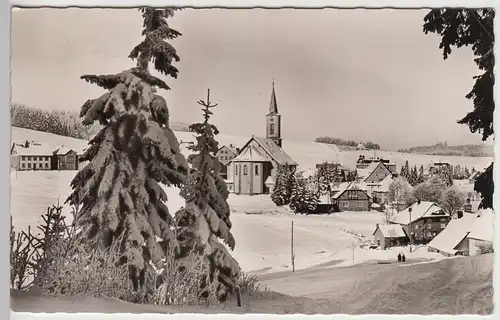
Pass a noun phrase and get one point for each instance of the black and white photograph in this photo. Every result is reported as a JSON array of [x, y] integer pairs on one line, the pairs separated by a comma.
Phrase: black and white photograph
[[252, 160]]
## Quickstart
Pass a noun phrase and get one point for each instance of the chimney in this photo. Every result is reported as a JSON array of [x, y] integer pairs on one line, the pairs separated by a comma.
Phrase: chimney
[[460, 214]]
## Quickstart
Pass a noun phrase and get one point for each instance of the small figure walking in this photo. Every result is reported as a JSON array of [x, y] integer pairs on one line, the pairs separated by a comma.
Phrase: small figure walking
[[399, 257], [403, 258]]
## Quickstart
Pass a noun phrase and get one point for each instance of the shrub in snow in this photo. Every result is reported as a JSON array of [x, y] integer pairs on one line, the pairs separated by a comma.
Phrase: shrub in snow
[[205, 218], [119, 190]]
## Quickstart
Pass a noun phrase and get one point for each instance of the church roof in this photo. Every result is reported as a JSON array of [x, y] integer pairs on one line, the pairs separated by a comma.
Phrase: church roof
[[251, 154], [275, 151], [273, 106]]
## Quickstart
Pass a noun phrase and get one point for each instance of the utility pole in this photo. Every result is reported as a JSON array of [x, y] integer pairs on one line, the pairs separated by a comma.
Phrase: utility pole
[[292, 253], [411, 231]]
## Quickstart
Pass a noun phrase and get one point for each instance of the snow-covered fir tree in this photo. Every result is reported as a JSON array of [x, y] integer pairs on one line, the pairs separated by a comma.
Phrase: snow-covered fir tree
[[205, 218], [119, 191], [326, 174], [282, 189], [303, 198]]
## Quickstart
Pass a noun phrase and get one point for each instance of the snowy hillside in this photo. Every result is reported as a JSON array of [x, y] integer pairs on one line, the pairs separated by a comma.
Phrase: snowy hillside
[[307, 154]]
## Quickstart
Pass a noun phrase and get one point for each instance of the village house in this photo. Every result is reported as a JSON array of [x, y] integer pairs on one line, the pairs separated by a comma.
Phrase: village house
[[33, 156], [422, 221], [363, 163], [350, 197], [30, 156], [254, 169], [379, 191], [453, 240], [482, 231], [65, 158], [391, 235], [225, 154]]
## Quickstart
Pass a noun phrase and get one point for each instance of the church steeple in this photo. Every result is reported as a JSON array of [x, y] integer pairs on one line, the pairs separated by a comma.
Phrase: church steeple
[[273, 120], [273, 106]]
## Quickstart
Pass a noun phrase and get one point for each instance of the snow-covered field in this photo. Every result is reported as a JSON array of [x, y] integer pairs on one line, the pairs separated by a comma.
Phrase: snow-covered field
[[262, 240]]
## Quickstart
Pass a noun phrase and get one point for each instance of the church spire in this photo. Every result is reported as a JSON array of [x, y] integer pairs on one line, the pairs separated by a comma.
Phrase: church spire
[[273, 106]]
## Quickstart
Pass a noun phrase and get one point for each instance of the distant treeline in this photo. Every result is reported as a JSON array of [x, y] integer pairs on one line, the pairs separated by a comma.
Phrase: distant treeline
[[61, 122], [348, 143], [443, 149]]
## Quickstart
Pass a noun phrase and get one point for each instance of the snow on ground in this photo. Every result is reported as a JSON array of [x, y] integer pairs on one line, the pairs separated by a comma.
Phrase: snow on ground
[[262, 240]]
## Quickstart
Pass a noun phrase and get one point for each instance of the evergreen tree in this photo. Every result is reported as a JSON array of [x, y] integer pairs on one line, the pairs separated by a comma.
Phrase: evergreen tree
[[119, 191], [282, 189], [473, 28], [421, 177], [445, 174], [413, 178], [303, 198], [403, 172], [466, 173], [205, 218], [326, 174]]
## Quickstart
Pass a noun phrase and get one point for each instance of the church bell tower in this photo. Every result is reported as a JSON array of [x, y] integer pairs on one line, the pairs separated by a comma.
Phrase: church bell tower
[[273, 120]]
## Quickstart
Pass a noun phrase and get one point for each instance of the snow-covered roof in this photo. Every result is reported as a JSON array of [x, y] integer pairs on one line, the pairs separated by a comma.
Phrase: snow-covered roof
[[33, 150], [277, 153], [420, 210], [483, 227], [251, 154], [63, 150], [391, 231], [382, 186], [343, 187], [453, 234]]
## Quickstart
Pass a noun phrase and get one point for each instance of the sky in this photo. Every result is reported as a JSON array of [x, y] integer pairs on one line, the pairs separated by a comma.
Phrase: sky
[[355, 74]]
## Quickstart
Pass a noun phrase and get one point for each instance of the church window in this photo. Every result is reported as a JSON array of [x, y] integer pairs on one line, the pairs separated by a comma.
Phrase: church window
[[271, 128], [245, 170], [256, 170]]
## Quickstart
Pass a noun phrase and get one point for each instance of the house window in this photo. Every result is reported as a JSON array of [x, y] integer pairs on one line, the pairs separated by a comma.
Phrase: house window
[[29, 158], [359, 204], [416, 226], [429, 234], [29, 165], [345, 204], [23, 165], [46, 165], [245, 170], [225, 158], [443, 220], [256, 170], [352, 195], [443, 225], [429, 226], [271, 129]]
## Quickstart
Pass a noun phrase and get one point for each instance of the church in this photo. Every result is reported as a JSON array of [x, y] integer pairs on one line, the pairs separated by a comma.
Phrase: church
[[254, 169]]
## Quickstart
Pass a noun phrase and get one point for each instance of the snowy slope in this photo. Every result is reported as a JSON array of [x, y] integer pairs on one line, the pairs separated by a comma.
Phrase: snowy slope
[[306, 153]]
